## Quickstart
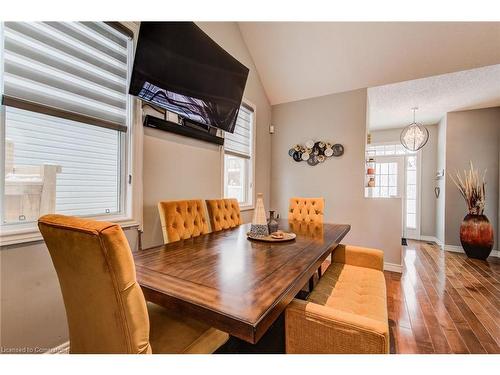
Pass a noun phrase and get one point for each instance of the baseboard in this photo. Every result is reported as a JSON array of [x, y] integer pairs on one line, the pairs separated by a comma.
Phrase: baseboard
[[393, 267], [439, 242], [459, 249], [428, 239], [60, 349]]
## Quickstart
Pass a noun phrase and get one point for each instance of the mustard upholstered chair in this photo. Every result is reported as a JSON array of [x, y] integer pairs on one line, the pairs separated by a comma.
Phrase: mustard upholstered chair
[[181, 220], [105, 307], [347, 310], [306, 209], [223, 213]]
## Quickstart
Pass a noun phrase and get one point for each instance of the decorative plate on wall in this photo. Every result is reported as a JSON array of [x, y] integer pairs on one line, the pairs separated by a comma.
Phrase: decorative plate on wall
[[315, 152], [312, 161], [338, 150]]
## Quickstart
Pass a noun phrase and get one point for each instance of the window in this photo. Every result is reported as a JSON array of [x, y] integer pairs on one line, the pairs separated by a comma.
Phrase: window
[[393, 149], [386, 159], [411, 192], [64, 120], [386, 180], [238, 159]]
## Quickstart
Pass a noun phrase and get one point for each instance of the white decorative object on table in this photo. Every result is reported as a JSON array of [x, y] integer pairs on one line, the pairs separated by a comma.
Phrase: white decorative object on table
[[259, 222]]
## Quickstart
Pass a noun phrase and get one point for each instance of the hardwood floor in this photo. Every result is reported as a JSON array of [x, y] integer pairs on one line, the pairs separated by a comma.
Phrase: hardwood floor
[[444, 302]]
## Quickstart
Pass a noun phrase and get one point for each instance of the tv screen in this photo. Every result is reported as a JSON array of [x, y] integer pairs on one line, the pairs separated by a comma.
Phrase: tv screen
[[180, 68]]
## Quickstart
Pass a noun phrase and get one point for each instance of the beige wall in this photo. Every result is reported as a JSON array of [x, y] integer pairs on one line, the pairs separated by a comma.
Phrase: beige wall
[[340, 118], [31, 309], [471, 135], [428, 174], [175, 167]]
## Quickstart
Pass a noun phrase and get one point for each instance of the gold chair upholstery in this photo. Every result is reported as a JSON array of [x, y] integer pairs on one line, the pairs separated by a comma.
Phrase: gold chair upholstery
[[181, 220], [347, 310], [223, 213], [306, 209], [105, 307], [310, 230]]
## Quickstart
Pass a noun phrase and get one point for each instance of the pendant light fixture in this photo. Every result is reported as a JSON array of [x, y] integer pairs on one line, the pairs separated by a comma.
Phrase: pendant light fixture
[[414, 136]]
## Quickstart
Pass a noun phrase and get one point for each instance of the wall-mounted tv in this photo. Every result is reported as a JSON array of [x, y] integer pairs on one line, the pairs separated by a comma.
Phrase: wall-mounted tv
[[181, 69]]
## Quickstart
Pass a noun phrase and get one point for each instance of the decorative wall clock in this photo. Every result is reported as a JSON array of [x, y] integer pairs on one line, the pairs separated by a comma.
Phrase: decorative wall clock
[[314, 153]]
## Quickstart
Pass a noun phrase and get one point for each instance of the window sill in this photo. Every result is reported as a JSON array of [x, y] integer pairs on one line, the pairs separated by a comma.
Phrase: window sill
[[247, 207], [385, 198], [32, 234]]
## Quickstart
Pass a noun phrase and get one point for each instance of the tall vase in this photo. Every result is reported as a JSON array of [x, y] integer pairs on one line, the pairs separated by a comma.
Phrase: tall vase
[[476, 236], [272, 223], [259, 221]]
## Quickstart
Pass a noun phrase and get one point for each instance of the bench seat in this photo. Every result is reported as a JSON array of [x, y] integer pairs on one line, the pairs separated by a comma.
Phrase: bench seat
[[347, 310]]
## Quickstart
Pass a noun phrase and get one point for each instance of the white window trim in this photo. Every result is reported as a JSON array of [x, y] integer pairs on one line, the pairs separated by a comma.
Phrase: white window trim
[[131, 194], [387, 143], [401, 194], [251, 205], [386, 159]]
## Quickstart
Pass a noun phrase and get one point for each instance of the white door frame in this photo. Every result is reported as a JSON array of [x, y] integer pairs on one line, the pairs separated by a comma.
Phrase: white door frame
[[413, 233]]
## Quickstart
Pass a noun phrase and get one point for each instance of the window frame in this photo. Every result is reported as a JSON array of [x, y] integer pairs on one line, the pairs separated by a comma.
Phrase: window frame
[[129, 213], [386, 160], [414, 232], [250, 205]]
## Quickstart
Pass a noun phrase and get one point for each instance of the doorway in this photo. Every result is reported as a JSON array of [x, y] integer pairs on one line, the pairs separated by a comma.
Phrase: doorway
[[397, 175]]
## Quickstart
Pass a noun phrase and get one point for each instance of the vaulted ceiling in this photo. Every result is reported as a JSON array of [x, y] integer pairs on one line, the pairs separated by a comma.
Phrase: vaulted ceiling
[[298, 60]]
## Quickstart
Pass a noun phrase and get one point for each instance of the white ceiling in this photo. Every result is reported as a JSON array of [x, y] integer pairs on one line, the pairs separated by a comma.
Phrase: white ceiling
[[390, 106], [298, 60]]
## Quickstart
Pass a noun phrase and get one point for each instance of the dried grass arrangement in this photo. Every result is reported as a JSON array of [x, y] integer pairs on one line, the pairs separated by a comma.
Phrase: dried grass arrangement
[[472, 188]]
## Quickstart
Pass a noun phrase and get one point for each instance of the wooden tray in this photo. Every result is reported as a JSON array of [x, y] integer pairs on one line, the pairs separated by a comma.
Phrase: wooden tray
[[288, 237]]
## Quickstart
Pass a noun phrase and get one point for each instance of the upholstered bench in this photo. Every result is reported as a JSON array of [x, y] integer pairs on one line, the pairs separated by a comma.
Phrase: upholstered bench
[[347, 310]]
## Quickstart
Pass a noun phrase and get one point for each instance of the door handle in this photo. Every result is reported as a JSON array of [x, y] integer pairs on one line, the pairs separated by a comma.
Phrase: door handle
[[437, 190]]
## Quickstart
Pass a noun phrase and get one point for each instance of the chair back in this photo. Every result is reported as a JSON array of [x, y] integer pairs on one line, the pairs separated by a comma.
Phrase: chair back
[[223, 213], [181, 220], [306, 209], [105, 307]]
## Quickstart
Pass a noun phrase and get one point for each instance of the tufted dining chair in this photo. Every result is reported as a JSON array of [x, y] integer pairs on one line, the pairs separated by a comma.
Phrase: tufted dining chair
[[306, 209], [105, 307], [181, 220], [223, 213], [309, 211]]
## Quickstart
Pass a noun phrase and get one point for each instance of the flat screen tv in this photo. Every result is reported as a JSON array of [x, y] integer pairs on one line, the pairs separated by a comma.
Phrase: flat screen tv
[[180, 68]]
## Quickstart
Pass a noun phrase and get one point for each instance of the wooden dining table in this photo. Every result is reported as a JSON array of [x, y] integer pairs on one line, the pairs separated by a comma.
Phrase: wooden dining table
[[232, 283]]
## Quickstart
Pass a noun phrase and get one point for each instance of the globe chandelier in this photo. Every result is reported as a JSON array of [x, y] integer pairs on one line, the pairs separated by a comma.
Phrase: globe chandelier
[[414, 136]]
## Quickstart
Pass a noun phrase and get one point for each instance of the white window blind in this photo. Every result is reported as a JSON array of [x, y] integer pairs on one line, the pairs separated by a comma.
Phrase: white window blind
[[64, 121], [78, 68], [240, 142]]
